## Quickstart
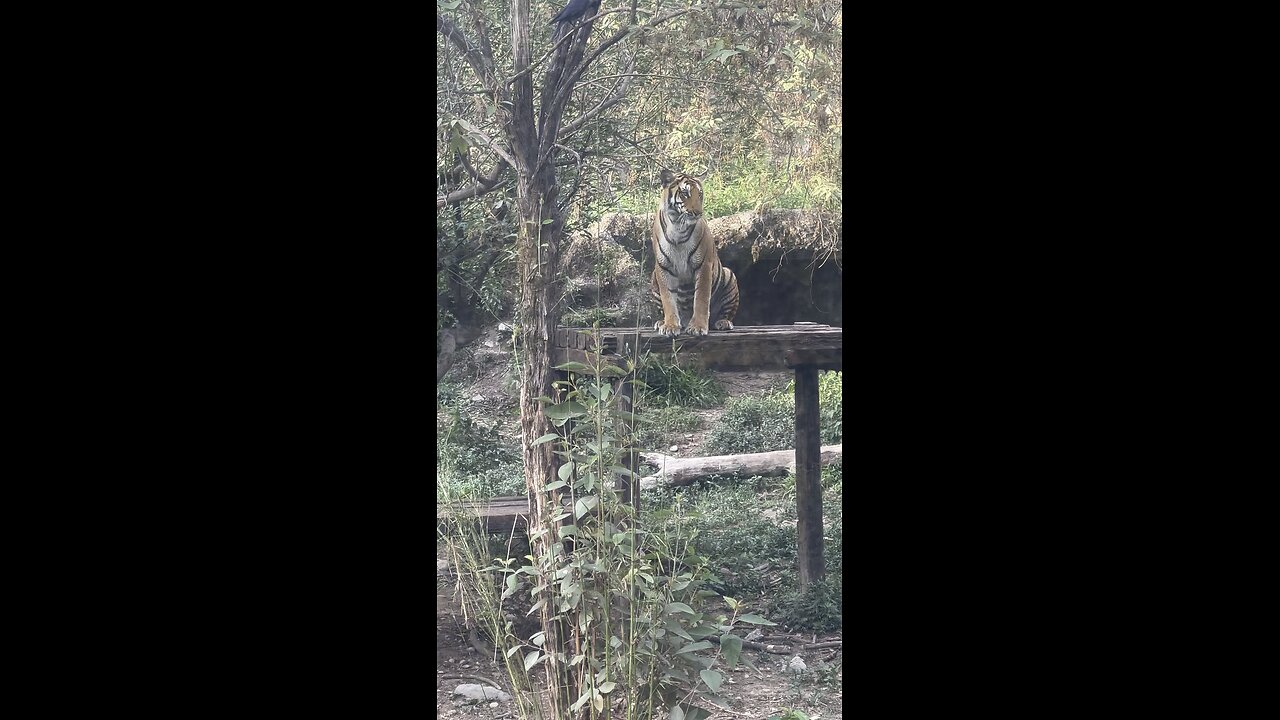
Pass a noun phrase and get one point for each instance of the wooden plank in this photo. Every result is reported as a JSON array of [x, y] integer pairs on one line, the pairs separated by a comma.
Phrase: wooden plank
[[808, 478], [820, 358], [750, 347], [495, 515]]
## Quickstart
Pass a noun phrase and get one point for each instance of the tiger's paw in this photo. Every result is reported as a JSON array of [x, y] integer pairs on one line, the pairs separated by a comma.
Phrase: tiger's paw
[[697, 329], [723, 324], [666, 329]]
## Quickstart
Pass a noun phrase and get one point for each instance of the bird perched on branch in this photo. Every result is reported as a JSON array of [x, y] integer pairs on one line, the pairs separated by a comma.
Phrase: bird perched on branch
[[574, 10]]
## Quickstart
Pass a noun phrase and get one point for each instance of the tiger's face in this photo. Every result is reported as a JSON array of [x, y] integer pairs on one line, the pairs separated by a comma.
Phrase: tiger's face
[[682, 193]]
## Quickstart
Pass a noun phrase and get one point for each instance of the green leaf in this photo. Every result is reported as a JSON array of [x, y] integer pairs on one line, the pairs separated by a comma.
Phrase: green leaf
[[701, 631], [674, 627], [566, 471], [712, 679], [513, 651], [693, 647], [565, 411], [584, 506], [755, 619], [693, 712], [567, 530], [545, 438], [731, 649], [531, 659], [555, 485], [732, 603], [681, 607], [677, 713], [606, 688], [574, 366]]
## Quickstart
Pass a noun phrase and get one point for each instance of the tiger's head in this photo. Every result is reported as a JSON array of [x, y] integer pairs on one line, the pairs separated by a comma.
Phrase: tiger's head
[[681, 193]]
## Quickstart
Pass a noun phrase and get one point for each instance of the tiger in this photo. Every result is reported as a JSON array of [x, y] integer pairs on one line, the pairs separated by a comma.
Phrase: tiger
[[695, 290]]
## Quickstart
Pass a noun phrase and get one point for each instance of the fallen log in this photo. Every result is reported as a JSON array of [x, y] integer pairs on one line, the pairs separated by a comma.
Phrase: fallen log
[[683, 471]]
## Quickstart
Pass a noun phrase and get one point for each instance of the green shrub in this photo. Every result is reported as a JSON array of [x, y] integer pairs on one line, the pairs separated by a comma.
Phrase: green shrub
[[815, 608], [669, 384], [754, 423], [665, 426], [472, 461], [587, 317], [767, 421], [830, 386], [727, 526]]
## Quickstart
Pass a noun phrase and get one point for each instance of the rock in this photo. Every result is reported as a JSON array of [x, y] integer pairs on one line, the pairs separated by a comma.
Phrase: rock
[[493, 704], [474, 692], [796, 665], [753, 636], [675, 448], [477, 398]]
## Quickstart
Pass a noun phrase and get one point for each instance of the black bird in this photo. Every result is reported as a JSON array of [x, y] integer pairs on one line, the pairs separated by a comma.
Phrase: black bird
[[573, 10]]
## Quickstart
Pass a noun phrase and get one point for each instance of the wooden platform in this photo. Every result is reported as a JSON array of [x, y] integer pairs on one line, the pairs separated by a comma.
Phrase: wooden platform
[[496, 515], [805, 348], [751, 347]]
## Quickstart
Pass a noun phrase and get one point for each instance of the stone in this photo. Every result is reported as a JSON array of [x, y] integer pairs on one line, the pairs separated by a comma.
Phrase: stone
[[474, 692]]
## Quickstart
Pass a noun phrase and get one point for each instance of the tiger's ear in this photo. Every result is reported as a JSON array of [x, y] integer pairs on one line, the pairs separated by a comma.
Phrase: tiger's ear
[[667, 177]]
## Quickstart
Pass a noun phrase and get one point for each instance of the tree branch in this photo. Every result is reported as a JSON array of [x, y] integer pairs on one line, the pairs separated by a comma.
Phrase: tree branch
[[616, 97], [474, 54], [482, 186]]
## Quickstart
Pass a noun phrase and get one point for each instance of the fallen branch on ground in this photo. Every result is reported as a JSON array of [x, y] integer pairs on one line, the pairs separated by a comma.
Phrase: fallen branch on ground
[[683, 471]]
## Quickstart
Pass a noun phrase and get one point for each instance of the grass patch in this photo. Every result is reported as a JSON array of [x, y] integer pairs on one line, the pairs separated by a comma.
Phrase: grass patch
[[767, 421], [748, 530], [754, 423], [669, 384], [473, 462], [666, 425]]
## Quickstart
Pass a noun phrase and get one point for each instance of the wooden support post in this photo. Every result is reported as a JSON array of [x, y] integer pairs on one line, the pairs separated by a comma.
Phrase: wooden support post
[[808, 477]]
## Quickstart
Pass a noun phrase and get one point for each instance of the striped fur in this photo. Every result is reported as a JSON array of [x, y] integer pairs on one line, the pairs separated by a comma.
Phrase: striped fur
[[695, 290]]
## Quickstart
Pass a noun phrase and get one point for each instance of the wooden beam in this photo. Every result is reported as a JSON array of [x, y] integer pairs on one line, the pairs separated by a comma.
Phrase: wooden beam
[[808, 478], [820, 358], [495, 515]]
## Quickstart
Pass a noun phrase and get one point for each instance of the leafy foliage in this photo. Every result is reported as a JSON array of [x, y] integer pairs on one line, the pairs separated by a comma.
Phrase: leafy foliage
[[667, 426], [472, 460], [815, 608], [667, 384], [754, 423], [637, 603], [767, 421]]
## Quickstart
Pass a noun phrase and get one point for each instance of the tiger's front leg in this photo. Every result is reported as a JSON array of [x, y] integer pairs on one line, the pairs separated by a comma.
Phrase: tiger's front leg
[[669, 326], [701, 305]]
